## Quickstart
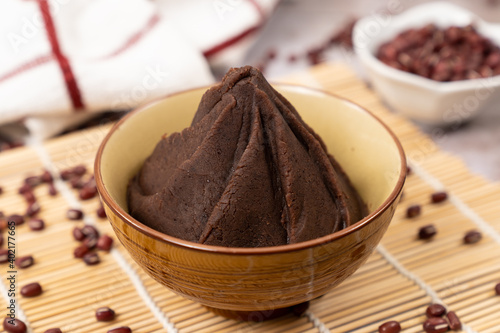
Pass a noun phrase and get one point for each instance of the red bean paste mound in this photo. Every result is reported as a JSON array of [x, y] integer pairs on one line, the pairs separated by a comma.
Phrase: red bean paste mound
[[247, 173]]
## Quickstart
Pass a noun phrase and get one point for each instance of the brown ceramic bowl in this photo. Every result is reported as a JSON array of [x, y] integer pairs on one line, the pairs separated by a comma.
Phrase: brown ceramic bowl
[[267, 278]]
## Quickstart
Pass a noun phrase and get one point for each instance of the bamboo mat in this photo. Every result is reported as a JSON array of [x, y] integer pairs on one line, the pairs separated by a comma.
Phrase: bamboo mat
[[402, 277]]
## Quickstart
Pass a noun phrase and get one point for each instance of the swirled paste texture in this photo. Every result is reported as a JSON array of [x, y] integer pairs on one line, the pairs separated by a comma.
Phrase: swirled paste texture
[[248, 172]]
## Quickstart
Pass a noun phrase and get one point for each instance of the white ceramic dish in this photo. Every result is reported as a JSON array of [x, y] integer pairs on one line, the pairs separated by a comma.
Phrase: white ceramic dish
[[424, 100]]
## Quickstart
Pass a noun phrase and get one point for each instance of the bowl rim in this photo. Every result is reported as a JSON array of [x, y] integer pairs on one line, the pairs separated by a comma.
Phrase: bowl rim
[[448, 9], [144, 229]]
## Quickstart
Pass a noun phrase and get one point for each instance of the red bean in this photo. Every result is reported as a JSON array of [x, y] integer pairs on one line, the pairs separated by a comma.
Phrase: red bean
[[14, 325], [18, 219], [78, 234], [52, 190], [33, 209], [472, 237], [435, 325], [74, 214], [1, 190], [31, 290], [90, 231], [36, 224], [439, 197], [66, 174], [104, 243], [33, 181], [90, 242], [390, 327], [454, 321], [4, 256], [79, 170], [88, 192], [101, 212], [76, 182], [25, 188], [80, 251], [91, 259], [46, 177], [105, 314], [25, 262], [497, 288], [1, 239], [413, 211], [427, 232], [122, 329], [53, 330], [435, 310], [29, 197]]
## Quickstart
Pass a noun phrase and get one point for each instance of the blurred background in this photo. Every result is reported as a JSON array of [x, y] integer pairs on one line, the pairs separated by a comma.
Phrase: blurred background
[[176, 45]]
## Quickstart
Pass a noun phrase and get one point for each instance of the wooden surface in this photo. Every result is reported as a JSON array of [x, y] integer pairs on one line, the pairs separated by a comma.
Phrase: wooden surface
[[398, 282]]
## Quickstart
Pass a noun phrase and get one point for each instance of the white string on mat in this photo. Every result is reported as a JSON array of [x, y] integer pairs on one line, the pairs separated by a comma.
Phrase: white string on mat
[[461, 206], [122, 262], [316, 322]]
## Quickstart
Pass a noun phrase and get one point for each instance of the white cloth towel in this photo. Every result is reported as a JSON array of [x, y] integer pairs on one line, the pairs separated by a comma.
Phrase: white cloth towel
[[63, 60]]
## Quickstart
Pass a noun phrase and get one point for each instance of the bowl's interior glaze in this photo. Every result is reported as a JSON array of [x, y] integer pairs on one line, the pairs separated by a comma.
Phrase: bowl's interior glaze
[[360, 143]]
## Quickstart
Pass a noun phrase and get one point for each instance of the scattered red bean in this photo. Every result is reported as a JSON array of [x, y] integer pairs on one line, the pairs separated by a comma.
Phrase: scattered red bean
[[88, 192], [435, 325], [4, 256], [454, 321], [14, 325], [439, 197], [31, 290], [74, 214], [90, 242], [25, 188], [104, 243], [413, 211], [52, 190], [76, 182], [1, 239], [101, 213], [1, 190], [33, 181], [91, 258], [53, 330], [80, 251], [46, 177], [66, 174], [90, 231], [122, 329], [105, 314], [435, 310], [427, 232], [497, 288], [25, 262], [33, 209], [29, 196], [78, 234], [390, 327], [18, 219], [472, 237], [79, 170], [36, 224]]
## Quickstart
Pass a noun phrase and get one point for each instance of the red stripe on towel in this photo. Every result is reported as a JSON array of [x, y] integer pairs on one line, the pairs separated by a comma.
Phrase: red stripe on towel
[[135, 37], [230, 42], [26, 66], [64, 64]]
